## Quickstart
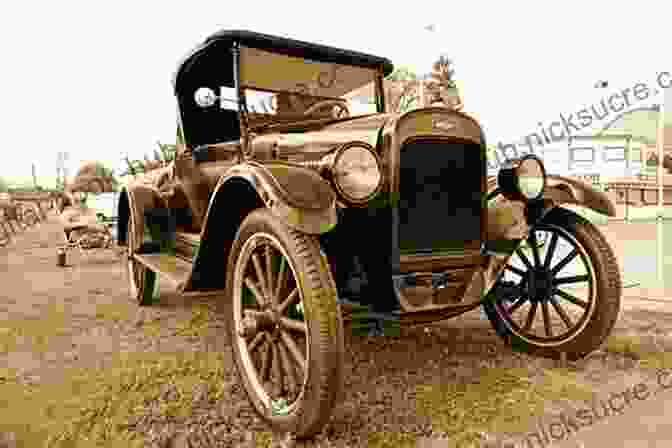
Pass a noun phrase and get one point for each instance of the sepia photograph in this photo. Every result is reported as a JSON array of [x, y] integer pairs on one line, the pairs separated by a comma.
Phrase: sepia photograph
[[347, 225]]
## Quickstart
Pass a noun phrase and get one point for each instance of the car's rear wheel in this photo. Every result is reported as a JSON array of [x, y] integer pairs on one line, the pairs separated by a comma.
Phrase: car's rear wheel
[[142, 281], [562, 296], [284, 323]]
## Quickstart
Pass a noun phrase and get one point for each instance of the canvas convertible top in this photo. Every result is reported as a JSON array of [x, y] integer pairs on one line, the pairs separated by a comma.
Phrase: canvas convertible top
[[212, 53]]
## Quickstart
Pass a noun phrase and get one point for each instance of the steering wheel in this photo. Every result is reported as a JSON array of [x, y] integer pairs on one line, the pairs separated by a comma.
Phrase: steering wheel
[[343, 108]]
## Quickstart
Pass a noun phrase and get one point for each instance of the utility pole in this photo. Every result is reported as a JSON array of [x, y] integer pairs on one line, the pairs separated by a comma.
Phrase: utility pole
[[34, 173], [660, 143], [603, 84], [59, 167], [61, 172], [65, 170]]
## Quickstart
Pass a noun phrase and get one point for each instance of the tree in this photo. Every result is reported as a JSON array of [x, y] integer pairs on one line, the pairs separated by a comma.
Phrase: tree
[[131, 167], [94, 177], [442, 83], [443, 72], [167, 152], [164, 155], [402, 90]]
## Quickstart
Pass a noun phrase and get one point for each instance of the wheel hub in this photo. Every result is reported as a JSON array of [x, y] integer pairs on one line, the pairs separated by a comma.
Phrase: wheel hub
[[540, 284], [268, 320]]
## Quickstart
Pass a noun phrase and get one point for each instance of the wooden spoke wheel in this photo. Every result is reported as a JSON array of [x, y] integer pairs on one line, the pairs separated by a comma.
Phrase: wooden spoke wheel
[[562, 298], [285, 327]]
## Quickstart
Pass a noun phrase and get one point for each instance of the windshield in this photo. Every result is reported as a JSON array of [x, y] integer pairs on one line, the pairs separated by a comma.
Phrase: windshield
[[281, 88]]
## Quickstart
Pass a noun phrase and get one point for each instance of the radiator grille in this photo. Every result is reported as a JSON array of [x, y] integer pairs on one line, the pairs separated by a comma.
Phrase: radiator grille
[[440, 188]]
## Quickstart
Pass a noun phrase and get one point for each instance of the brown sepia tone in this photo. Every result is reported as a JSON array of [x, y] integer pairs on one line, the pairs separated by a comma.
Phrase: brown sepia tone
[[293, 209]]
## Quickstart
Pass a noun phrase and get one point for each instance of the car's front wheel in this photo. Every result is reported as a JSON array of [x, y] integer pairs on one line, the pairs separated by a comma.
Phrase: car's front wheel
[[562, 296], [284, 323]]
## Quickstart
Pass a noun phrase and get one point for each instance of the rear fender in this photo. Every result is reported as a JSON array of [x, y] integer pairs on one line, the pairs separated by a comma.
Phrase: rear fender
[[133, 202]]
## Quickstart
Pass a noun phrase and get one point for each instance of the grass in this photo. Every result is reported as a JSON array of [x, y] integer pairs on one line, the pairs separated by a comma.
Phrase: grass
[[645, 352], [498, 400], [392, 440], [116, 311], [202, 315], [35, 331], [95, 408]]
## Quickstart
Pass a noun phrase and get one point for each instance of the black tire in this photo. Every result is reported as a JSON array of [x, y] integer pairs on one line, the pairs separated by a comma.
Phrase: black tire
[[141, 280], [595, 325], [319, 317]]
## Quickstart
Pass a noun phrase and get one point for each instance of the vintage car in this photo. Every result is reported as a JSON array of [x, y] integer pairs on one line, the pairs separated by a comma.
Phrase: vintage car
[[286, 207]]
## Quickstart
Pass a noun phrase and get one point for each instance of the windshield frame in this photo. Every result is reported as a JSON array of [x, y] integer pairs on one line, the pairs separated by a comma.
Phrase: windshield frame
[[244, 109]]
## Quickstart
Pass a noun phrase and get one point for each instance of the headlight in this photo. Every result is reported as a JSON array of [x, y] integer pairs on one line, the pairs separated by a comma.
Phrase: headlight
[[356, 172], [523, 179]]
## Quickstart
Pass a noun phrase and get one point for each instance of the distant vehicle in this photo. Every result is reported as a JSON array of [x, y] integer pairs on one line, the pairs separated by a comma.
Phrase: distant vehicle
[[104, 203], [273, 208]]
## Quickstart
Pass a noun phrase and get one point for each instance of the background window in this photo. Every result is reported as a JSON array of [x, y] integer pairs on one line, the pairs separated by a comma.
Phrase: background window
[[364, 99], [582, 154], [614, 153]]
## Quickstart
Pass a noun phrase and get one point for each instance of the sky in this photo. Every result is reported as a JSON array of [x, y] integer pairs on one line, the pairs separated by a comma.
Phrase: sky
[[94, 78]]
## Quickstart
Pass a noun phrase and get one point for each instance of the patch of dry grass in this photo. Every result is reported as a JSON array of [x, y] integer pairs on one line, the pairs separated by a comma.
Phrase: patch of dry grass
[[34, 331], [497, 400], [98, 407], [116, 312], [200, 320], [647, 353], [202, 315], [392, 440]]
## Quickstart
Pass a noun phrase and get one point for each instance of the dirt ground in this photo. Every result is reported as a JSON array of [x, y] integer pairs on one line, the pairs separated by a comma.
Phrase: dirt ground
[[70, 337]]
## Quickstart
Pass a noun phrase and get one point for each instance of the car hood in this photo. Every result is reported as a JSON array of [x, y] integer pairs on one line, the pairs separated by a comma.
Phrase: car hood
[[326, 138]]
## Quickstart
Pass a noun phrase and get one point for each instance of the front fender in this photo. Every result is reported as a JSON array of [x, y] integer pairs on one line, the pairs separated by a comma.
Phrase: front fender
[[564, 190], [296, 195]]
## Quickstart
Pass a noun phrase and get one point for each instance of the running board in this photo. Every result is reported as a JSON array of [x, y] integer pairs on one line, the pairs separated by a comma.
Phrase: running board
[[167, 266]]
